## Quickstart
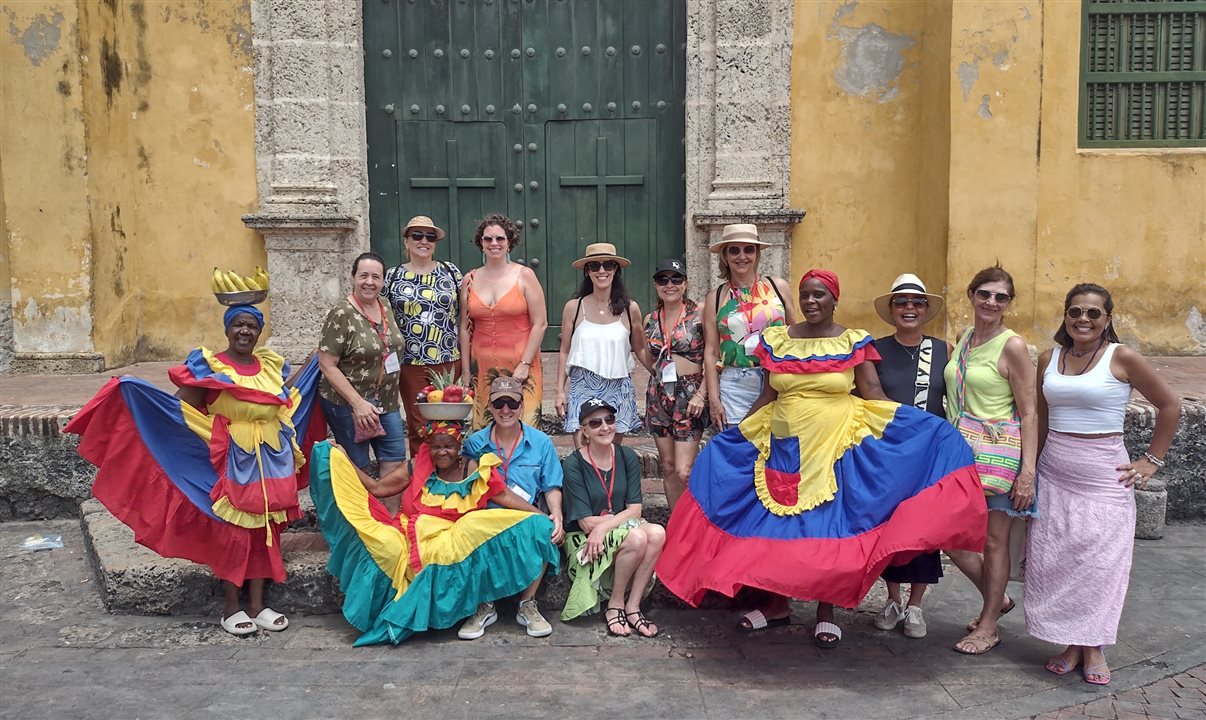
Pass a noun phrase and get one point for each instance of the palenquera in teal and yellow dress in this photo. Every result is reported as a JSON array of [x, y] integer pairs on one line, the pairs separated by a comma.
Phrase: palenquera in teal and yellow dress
[[815, 493], [431, 564]]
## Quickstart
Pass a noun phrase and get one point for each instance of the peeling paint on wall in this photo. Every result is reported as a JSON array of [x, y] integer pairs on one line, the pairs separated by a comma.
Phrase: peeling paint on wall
[[969, 73], [872, 60], [984, 110], [41, 38]]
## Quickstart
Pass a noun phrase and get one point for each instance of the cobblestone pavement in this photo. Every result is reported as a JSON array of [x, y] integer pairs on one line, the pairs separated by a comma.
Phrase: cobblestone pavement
[[1180, 696]]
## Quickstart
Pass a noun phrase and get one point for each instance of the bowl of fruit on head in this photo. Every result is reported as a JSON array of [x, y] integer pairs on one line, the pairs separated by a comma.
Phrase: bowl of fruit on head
[[444, 399]]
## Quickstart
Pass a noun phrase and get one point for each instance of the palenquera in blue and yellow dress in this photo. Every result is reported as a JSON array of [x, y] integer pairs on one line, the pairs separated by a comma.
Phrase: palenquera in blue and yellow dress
[[432, 563], [814, 494], [215, 486]]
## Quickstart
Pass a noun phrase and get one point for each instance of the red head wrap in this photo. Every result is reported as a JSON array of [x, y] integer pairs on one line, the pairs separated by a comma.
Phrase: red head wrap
[[448, 427], [828, 279]]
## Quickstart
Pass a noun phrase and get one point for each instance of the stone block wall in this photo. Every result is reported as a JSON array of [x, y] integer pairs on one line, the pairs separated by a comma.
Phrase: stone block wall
[[41, 474], [1185, 471]]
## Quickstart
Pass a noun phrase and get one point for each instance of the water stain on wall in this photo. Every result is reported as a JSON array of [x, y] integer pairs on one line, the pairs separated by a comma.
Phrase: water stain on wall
[[41, 38]]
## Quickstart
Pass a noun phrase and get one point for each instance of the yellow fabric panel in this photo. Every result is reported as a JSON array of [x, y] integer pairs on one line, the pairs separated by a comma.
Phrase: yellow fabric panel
[[388, 546], [442, 542], [223, 509], [469, 502]]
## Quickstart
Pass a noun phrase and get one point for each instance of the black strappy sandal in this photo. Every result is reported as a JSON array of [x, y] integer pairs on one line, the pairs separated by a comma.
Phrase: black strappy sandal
[[612, 621], [641, 622]]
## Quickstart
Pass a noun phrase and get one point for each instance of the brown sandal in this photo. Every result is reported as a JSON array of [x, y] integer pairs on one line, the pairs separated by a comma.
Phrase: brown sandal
[[1005, 609], [615, 621]]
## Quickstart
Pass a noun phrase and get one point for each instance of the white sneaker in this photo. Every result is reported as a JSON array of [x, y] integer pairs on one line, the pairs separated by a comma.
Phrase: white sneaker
[[914, 622], [476, 625], [890, 616], [529, 616]]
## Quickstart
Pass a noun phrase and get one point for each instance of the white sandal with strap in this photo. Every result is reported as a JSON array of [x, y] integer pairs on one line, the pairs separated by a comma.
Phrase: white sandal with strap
[[267, 618], [232, 623], [759, 621], [827, 628]]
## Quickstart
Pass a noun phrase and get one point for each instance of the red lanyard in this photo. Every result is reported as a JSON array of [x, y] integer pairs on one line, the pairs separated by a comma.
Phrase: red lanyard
[[668, 338], [745, 308], [608, 487], [382, 334], [506, 459]]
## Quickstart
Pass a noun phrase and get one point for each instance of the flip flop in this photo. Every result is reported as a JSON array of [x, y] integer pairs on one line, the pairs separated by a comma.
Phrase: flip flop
[[827, 628], [267, 620], [232, 623], [758, 621], [1059, 665], [1103, 678], [642, 622], [1005, 610], [980, 645]]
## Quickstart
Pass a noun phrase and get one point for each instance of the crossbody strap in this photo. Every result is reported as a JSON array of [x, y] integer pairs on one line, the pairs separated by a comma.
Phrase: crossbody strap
[[925, 361]]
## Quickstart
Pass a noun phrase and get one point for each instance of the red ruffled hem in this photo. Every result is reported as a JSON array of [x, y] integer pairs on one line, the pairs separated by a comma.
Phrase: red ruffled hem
[[700, 557]]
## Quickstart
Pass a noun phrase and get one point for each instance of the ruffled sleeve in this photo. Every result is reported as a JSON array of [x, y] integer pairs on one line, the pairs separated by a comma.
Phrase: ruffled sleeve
[[777, 352]]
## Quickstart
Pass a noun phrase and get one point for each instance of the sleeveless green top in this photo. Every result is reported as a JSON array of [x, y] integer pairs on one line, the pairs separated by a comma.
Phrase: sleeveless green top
[[987, 394]]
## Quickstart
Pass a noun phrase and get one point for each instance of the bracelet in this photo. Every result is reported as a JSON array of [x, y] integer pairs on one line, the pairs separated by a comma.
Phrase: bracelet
[[525, 362], [1154, 460]]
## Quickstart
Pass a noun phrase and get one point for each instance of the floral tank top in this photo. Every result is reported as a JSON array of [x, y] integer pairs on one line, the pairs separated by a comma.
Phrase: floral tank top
[[743, 311]]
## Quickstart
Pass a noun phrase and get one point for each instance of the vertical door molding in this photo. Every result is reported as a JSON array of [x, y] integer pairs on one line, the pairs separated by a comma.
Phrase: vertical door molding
[[738, 126], [311, 158]]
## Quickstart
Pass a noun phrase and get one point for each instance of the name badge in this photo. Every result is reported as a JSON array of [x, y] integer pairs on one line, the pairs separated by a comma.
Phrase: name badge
[[391, 363], [751, 342], [669, 373], [527, 496]]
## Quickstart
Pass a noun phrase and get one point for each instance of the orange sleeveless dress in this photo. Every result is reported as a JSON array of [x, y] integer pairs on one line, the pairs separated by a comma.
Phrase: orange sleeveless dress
[[498, 335]]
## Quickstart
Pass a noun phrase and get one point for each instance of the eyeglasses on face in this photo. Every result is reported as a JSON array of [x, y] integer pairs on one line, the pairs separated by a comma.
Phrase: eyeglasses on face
[[1075, 311], [1001, 298], [505, 402], [735, 250], [596, 266], [596, 423], [906, 301], [664, 280], [494, 239], [417, 236]]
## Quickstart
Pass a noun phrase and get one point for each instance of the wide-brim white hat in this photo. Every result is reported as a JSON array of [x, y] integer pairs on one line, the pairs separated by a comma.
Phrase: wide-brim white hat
[[600, 252], [744, 233], [908, 284]]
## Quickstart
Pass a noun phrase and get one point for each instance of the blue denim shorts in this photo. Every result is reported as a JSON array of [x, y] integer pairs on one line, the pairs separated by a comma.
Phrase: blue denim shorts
[[390, 447], [1004, 503]]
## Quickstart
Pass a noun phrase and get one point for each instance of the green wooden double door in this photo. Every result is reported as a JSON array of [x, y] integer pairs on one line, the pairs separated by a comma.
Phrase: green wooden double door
[[566, 115]]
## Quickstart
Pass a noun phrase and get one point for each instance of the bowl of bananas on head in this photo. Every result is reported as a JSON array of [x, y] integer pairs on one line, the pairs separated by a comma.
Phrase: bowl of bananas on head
[[233, 289]]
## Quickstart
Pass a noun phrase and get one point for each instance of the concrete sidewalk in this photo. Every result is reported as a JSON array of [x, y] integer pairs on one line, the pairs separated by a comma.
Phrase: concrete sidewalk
[[62, 656]]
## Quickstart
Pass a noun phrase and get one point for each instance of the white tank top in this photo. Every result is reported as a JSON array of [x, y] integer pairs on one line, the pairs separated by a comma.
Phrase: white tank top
[[1091, 403], [604, 349]]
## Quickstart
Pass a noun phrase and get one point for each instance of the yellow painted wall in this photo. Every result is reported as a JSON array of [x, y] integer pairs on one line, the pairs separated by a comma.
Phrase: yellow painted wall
[[45, 178], [966, 154], [129, 145]]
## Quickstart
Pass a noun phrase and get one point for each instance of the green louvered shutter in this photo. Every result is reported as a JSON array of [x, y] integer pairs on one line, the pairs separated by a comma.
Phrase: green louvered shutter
[[1143, 73]]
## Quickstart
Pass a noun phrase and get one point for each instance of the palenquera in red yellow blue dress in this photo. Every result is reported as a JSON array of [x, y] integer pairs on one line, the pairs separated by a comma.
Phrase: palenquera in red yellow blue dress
[[216, 484], [814, 494]]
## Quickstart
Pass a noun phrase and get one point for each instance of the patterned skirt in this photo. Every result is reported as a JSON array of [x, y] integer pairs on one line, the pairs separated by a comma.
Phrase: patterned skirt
[[618, 392]]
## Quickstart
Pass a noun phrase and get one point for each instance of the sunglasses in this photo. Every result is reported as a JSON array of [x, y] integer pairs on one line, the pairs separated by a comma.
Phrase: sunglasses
[[417, 236], [596, 423], [735, 250], [505, 402], [494, 238], [905, 302], [1093, 313], [1001, 298], [596, 266], [664, 280]]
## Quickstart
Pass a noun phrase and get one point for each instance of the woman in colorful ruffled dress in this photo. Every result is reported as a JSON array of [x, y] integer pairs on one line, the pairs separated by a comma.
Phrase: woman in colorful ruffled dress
[[816, 517], [210, 475], [430, 565]]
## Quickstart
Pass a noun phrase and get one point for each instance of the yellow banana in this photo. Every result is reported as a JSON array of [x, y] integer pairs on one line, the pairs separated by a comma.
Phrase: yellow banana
[[250, 282], [237, 281], [261, 277], [215, 281]]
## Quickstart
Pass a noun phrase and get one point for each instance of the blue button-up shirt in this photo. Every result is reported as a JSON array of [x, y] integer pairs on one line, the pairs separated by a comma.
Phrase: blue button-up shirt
[[534, 468]]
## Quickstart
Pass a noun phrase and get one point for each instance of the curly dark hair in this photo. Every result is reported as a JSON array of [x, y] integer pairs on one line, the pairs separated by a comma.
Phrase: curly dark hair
[[996, 273], [1061, 335], [507, 224]]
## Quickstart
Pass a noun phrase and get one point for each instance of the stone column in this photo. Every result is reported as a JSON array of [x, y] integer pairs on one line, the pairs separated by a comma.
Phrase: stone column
[[311, 158], [739, 127]]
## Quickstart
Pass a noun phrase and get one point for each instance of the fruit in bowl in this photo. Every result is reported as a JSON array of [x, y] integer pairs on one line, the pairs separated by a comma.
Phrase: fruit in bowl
[[444, 388]]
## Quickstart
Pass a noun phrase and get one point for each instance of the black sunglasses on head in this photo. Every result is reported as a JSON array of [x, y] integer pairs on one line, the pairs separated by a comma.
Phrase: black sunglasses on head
[[596, 423], [505, 402], [417, 236], [664, 280], [596, 266]]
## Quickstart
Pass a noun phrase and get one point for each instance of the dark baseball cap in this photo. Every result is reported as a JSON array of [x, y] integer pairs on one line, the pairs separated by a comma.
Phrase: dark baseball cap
[[670, 265], [592, 405]]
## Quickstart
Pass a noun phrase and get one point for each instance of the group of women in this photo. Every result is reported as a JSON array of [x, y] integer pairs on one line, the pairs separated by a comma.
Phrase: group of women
[[838, 458]]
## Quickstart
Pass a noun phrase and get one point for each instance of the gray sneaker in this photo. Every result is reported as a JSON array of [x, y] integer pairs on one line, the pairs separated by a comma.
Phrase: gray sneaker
[[914, 622], [529, 616], [890, 616], [476, 625]]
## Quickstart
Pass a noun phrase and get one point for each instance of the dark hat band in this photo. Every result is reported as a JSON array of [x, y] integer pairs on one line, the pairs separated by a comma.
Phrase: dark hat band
[[904, 287]]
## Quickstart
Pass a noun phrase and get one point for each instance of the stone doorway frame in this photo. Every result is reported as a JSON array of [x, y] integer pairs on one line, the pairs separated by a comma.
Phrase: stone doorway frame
[[312, 154]]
